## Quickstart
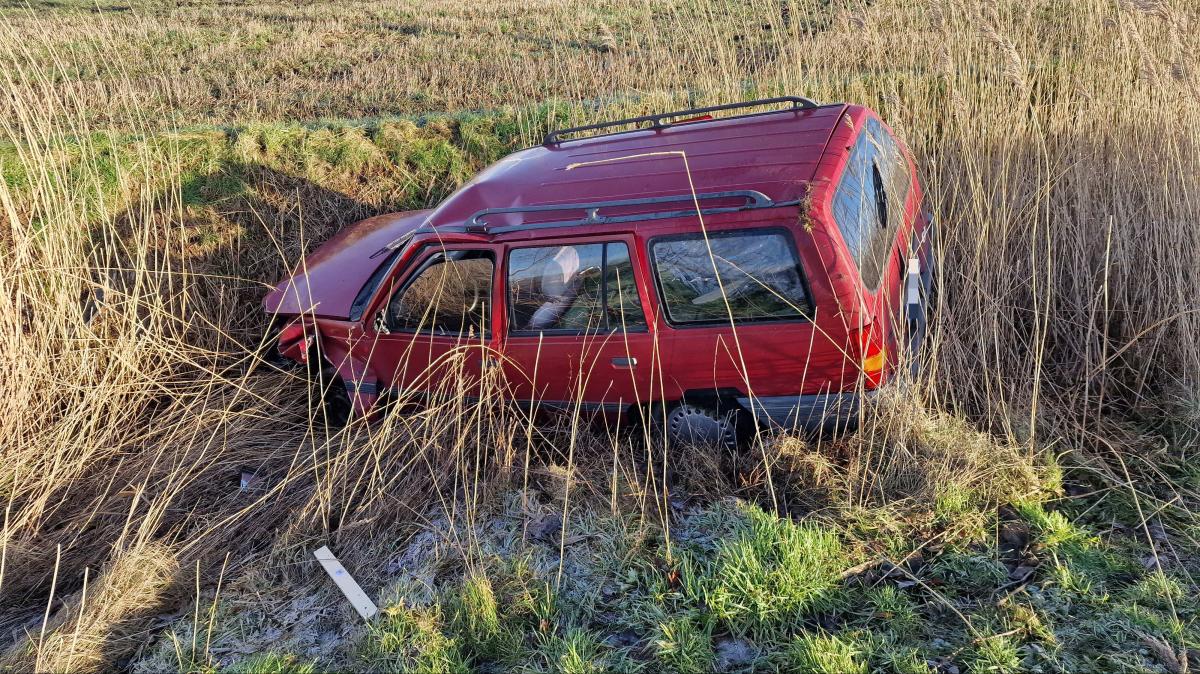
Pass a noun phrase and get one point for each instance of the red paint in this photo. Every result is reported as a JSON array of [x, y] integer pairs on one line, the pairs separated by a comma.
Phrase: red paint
[[787, 155], [327, 280]]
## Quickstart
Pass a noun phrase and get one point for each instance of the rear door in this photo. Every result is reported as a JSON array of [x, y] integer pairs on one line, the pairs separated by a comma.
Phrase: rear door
[[740, 311], [577, 332], [434, 332]]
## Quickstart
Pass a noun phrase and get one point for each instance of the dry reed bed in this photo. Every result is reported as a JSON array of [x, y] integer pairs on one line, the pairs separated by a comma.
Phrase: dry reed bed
[[1058, 140]]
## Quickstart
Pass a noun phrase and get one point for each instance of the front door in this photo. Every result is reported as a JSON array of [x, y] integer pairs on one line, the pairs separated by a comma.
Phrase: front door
[[577, 332], [433, 334]]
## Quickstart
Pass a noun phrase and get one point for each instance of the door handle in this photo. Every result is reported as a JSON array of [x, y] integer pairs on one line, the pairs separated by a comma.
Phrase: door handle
[[626, 363]]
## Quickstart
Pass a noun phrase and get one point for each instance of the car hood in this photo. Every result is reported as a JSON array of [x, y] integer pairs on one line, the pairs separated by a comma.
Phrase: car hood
[[326, 281]]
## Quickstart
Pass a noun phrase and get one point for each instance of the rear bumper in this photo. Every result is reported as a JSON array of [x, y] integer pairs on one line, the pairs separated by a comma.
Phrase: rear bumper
[[814, 413]]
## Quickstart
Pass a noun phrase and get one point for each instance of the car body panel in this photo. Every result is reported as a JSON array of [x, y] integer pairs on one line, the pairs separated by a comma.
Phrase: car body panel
[[775, 155], [407, 362], [615, 369], [326, 282], [882, 306]]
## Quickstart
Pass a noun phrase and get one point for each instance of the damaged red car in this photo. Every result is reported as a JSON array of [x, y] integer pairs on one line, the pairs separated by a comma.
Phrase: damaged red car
[[753, 265]]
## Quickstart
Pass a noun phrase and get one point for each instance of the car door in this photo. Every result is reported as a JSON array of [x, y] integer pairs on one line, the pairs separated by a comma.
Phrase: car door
[[740, 311], [434, 331], [576, 328]]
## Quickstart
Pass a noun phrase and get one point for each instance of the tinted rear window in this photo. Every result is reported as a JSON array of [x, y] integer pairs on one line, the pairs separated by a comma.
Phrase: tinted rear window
[[751, 275]]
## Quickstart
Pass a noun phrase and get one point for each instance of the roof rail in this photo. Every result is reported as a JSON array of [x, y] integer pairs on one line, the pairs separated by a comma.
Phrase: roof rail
[[753, 199], [657, 121]]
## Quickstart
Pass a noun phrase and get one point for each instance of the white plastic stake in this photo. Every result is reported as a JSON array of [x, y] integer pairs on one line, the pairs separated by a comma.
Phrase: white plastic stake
[[914, 281], [346, 583]]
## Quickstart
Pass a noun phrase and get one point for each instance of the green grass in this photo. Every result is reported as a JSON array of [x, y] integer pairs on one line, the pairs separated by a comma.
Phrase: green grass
[[769, 574], [412, 640], [997, 654], [826, 654], [1081, 564], [896, 608], [408, 162], [507, 621], [744, 573], [475, 615], [273, 663], [968, 572], [738, 579], [575, 651], [684, 644]]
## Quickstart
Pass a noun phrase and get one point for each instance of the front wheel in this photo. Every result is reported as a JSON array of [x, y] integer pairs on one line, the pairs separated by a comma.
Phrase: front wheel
[[335, 405]]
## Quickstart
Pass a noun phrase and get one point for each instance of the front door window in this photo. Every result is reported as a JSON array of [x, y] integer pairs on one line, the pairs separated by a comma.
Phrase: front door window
[[450, 296]]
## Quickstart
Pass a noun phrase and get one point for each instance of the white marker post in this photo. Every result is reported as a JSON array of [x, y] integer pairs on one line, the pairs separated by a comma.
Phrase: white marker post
[[346, 583], [914, 282]]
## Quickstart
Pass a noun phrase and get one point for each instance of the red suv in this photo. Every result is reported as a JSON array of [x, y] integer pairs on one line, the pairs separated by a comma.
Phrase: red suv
[[769, 266]]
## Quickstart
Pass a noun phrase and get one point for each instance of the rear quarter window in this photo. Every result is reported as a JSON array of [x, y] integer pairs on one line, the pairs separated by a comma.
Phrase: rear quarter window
[[751, 275], [868, 204]]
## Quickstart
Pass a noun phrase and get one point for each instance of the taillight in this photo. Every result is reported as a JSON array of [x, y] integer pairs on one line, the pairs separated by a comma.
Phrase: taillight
[[872, 356]]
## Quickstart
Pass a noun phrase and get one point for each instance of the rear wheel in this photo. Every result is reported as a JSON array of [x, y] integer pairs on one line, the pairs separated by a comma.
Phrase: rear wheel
[[694, 424]]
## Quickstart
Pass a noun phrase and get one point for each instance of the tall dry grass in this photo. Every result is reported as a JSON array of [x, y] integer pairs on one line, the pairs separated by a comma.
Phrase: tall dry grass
[[1058, 142]]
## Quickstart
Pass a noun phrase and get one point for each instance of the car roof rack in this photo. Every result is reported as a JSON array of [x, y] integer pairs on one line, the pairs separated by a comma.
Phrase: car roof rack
[[752, 200], [663, 119]]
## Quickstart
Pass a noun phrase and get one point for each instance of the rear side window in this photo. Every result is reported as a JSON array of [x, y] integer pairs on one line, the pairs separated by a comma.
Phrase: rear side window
[[449, 296], [573, 289], [868, 204], [752, 275]]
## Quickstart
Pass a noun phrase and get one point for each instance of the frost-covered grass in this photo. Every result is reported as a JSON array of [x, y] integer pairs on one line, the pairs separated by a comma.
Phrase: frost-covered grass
[[729, 587]]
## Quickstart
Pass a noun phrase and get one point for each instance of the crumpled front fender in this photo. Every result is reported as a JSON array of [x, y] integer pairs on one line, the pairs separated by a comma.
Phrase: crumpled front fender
[[296, 339]]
